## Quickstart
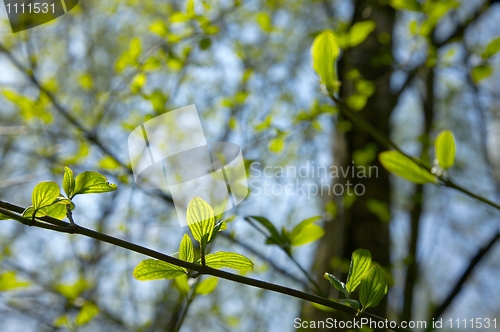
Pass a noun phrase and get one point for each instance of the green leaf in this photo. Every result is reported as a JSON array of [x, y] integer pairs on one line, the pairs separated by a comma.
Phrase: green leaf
[[481, 72], [9, 281], [91, 182], [58, 209], [4, 217], [397, 163], [68, 181], [135, 49], [303, 224], [159, 27], [373, 288], [138, 82], [29, 211], [276, 145], [323, 307], [361, 261], [44, 194], [186, 249], [207, 286], [339, 285], [264, 21], [55, 210], [275, 237], [359, 32], [325, 52], [356, 101], [445, 149], [413, 5], [178, 17], [306, 232], [492, 48], [190, 8], [221, 226], [151, 269], [221, 259], [351, 303], [72, 291], [200, 219], [86, 314], [182, 283]]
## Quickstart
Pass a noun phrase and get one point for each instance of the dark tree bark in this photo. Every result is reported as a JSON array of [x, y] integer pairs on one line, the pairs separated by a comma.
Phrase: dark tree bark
[[355, 226]]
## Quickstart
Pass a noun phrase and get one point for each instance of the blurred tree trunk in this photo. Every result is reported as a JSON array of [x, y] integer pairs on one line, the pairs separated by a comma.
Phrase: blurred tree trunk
[[355, 226]]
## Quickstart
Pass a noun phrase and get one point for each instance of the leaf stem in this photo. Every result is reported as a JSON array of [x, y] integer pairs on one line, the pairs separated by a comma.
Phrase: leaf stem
[[70, 216]]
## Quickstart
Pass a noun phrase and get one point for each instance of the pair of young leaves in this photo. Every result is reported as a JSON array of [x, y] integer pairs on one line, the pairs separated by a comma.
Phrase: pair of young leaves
[[407, 168], [46, 198], [201, 221], [363, 273]]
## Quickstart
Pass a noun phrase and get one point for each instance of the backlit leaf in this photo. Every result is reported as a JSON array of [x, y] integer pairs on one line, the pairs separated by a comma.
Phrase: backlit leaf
[[306, 232], [264, 21], [373, 288], [221, 259], [339, 285], [492, 48], [56, 210], [481, 72], [397, 163], [72, 291], [86, 314], [186, 249], [413, 5], [206, 286], [356, 101], [200, 219], [151, 269], [190, 8], [361, 261], [44, 194], [138, 82], [9, 281], [276, 145], [359, 32], [445, 149], [325, 52], [68, 181], [91, 182]]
